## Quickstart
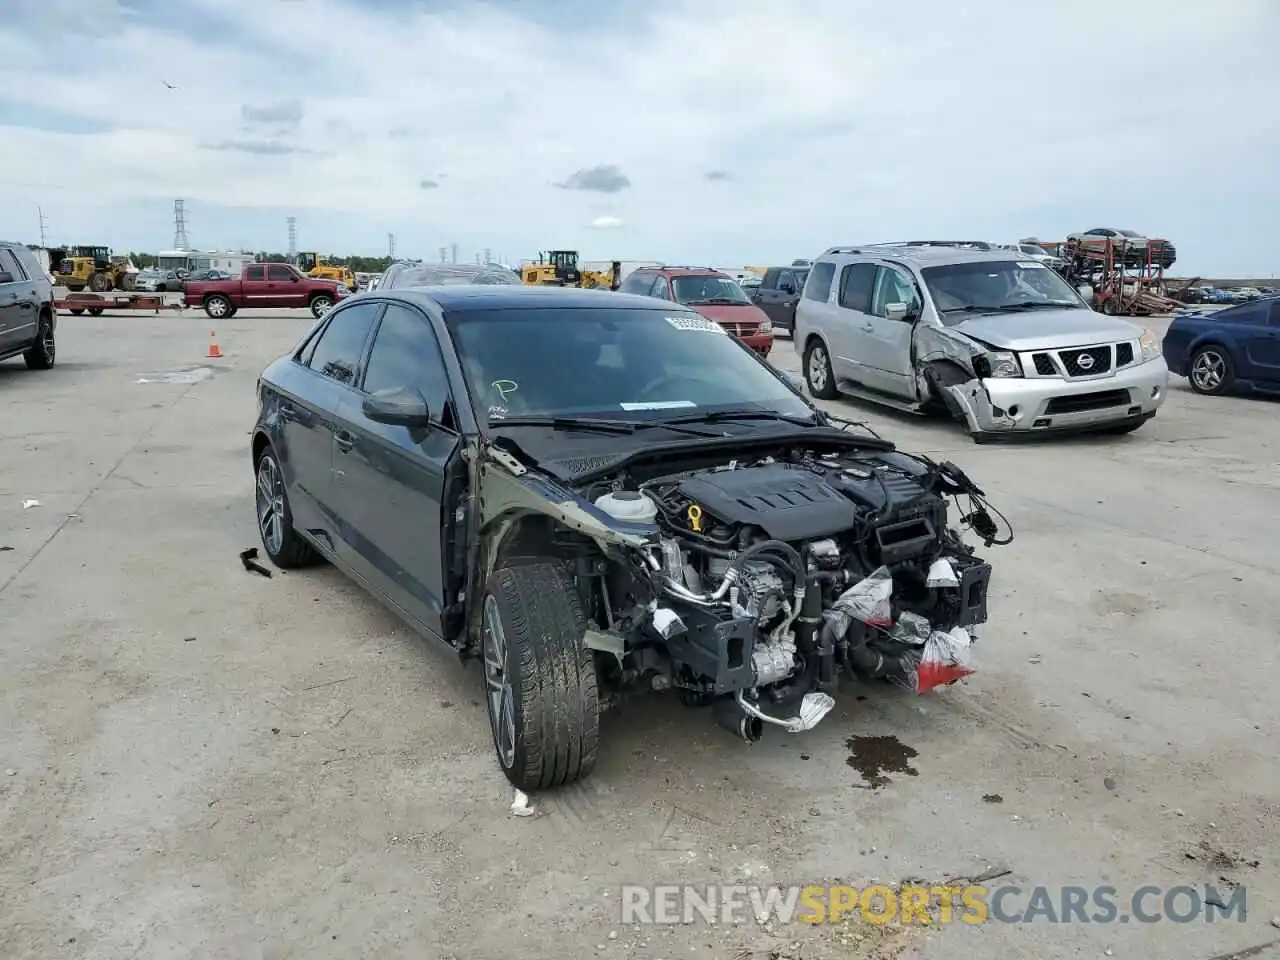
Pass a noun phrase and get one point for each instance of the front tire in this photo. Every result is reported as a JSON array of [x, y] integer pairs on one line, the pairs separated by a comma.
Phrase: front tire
[[818, 375], [42, 354], [321, 305], [1211, 372], [284, 546], [540, 678]]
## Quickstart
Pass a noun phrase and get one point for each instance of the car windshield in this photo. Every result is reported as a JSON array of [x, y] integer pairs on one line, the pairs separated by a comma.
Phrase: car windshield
[[707, 289], [611, 362], [445, 274], [994, 286]]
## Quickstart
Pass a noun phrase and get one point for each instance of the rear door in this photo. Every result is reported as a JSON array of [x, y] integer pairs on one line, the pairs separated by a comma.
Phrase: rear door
[[19, 307], [389, 480], [1258, 327], [850, 328], [886, 347], [777, 296], [253, 286], [309, 416]]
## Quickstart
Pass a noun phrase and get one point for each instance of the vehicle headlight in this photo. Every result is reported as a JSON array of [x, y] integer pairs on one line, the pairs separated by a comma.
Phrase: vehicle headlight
[[1150, 345], [766, 326], [998, 364]]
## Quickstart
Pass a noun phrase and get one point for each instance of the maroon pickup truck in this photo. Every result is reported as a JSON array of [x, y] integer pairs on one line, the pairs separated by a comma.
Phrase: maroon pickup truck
[[263, 285]]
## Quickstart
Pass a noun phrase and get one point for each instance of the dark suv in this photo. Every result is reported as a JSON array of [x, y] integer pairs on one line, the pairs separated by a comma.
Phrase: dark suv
[[27, 315]]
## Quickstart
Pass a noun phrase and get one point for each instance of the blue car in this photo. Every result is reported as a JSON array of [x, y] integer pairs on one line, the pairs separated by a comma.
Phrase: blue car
[[1237, 349]]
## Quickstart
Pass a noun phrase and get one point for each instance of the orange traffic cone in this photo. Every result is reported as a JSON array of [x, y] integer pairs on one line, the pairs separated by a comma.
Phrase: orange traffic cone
[[215, 352]]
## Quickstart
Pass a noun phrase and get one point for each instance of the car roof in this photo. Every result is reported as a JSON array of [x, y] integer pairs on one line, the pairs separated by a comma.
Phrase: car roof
[[922, 256], [682, 271], [462, 298]]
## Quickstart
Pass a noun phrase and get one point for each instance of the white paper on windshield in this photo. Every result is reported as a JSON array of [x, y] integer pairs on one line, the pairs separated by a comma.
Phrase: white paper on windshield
[[1031, 265], [696, 323], [658, 405]]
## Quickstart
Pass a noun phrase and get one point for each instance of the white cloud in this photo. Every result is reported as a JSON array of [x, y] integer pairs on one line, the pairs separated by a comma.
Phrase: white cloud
[[607, 223], [717, 129]]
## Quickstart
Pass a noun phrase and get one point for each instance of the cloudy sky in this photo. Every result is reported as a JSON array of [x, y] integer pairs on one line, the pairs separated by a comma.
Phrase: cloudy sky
[[726, 131]]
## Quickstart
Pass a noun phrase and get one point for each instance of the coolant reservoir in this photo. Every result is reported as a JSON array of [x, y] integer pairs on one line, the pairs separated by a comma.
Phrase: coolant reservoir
[[628, 505]]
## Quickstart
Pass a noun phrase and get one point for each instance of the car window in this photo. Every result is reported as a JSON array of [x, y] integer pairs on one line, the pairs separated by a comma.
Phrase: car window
[[818, 286], [1252, 315], [341, 344], [659, 288], [405, 355], [707, 288], [622, 363], [637, 283], [255, 273], [786, 278], [856, 281], [278, 271], [893, 286], [30, 263], [9, 264]]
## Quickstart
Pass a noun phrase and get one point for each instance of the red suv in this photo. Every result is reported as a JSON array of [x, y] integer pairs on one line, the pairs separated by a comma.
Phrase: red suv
[[711, 293]]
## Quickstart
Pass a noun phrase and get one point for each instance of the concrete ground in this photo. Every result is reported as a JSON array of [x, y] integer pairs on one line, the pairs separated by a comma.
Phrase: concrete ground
[[196, 761]]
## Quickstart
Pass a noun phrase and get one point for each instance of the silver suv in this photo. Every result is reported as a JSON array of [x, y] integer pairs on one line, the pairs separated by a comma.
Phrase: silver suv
[[998, 341], [27, 315]]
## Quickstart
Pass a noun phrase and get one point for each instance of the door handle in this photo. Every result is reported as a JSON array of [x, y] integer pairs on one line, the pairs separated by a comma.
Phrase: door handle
[[287, 412], [344, 441]]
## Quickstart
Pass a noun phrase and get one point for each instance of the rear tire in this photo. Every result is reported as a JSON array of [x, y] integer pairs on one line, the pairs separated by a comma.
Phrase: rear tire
[[217, 307], [540, 678], [283, 544], [818, 375], [42, 354]]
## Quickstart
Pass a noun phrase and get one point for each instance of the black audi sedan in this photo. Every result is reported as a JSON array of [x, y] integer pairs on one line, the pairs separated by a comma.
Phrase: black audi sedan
[[594, 494]]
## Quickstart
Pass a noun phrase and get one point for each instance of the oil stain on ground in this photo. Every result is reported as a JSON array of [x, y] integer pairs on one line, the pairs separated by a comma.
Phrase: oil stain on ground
[[873, 757]]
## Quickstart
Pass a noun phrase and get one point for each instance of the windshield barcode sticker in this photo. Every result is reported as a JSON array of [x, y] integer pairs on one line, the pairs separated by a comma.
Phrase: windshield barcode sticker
[[657, 405], [691, 322], [1031, 265]]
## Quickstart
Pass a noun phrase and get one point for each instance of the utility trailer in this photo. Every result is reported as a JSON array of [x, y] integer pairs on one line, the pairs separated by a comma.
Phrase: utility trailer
[[95, 304], [1120, 288]]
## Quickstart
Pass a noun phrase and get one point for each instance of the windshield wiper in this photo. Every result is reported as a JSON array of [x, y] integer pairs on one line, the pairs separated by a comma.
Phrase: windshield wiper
[[597, 424], [715, 416], [714, 300], [1003, 307]]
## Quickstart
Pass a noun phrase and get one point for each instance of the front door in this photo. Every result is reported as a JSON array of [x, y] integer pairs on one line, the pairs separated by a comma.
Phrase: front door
[[1264, 346], [253, 286], [310, 413], [18, 311], [389, 480], [886, 347], [284, 287]]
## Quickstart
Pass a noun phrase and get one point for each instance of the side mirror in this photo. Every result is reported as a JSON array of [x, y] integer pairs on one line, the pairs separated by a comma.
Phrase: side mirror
[[6, 277], [897, 311], [398, 408], [295, 278]]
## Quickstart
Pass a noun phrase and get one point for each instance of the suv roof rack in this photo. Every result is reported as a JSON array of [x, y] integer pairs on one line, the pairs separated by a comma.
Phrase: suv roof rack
[[971, 244], [839, 250]]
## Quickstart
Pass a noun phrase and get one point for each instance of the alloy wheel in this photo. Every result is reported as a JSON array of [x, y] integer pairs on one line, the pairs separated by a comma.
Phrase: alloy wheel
[[818, 369], [502, 712], [270, 501], [1209, 370]]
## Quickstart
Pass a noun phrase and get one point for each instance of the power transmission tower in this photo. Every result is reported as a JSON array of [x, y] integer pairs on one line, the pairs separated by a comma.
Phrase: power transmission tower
[[391, 246], [293, 238], [444, 254], [454, 247], [179, 226], [40, 212], [488, 255]]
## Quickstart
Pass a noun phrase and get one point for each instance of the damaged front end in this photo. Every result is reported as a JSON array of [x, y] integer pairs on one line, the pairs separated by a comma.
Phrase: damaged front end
[[751, 585]]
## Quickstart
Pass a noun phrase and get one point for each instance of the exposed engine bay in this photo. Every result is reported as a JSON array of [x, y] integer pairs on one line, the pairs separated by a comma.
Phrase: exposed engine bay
[[768, 579]]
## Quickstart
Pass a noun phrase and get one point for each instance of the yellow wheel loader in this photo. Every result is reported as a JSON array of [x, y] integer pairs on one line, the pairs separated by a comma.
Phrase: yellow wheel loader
[[314, 265]]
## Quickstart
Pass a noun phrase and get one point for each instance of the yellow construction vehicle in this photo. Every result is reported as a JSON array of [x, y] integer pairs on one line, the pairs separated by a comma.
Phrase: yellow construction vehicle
[[314, 265], [555, 268], [603, 279], [94, 268]]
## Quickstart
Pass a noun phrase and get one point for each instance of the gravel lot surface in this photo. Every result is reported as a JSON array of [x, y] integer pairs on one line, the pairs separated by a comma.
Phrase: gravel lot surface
[[199, 762]]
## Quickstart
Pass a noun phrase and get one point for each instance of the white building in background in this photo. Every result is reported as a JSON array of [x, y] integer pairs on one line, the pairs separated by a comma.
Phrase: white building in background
[[194, 261]]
